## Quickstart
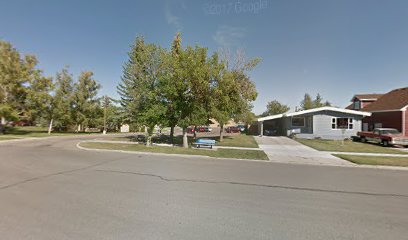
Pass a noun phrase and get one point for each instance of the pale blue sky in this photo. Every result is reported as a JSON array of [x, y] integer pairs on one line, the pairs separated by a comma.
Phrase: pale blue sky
[[335, 47]]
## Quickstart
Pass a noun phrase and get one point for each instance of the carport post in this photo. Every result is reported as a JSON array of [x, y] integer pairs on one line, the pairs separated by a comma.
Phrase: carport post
[[261, 128]]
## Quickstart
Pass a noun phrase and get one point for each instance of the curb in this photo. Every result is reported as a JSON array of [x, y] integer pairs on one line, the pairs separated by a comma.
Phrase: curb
[[369, 154], [394, 168], [164, 154]]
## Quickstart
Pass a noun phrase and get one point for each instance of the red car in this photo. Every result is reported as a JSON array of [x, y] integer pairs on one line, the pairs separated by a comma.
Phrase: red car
[[19, 124], [233, 130], [385, 136], [190, 130]]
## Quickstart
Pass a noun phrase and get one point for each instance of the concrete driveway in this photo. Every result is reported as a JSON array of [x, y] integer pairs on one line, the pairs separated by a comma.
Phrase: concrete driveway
[[286, 150]]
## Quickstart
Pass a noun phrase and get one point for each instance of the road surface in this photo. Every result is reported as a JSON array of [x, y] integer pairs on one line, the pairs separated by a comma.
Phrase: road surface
[[49, 189]]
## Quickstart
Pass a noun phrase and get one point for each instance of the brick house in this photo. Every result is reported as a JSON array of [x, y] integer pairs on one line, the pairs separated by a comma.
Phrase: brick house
[[388, 110]]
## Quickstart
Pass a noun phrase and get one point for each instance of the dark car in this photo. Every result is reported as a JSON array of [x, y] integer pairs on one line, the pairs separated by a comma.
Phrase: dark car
[[233, 130]]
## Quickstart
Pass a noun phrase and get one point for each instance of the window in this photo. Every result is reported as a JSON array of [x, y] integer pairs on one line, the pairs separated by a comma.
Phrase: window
[[342, 123], [298, 122], [357, 105]]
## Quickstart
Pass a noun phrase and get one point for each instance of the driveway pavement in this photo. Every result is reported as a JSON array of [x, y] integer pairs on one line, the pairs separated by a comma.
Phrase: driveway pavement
[[286, 150]]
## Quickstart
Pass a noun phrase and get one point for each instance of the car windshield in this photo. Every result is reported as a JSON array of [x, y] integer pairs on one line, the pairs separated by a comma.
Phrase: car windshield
[[390, 132]]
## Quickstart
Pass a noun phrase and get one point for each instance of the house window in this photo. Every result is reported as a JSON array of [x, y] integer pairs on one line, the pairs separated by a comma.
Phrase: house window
[[342, 123], [298, 122], [357, 105]]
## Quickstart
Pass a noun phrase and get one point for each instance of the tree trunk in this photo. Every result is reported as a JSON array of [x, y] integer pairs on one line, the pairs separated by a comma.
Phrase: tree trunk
[[195, 133], [50, 127], [221, 132], [172, 134], [149, 140], [185, 139], [2, 125]]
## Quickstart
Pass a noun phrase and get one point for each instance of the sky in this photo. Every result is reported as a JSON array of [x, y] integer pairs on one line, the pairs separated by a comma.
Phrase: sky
[[337, 48]]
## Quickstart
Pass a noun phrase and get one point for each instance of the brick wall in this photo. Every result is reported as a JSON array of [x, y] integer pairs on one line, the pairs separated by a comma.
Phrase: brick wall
[[387, 119]]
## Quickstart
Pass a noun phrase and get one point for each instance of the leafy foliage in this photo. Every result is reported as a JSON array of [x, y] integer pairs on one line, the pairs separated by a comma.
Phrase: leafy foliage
[[275, 107], [309, 103]]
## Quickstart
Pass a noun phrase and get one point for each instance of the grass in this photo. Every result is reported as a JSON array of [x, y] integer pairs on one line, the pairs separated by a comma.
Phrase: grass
[[241, 140], [349, 146], [370, 160], [230, 141], [5, 137], [31, 131], [220, 153]]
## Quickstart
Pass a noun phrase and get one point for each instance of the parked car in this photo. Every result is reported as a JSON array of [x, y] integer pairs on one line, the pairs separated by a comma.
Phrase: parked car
[[19, 124], [241, 128], [201, 129], [385, 136], [232, 130], [190, 130]]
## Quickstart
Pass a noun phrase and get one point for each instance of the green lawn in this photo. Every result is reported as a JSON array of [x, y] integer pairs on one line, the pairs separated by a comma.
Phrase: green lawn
[[349, 146], [26, 132], [241, 140], [230, 141], [369, 160], [220, 153], [6, 137]]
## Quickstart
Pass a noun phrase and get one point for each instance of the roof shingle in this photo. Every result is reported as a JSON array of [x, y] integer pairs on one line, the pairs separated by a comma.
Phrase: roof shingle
[[394, 100], [368, 96]]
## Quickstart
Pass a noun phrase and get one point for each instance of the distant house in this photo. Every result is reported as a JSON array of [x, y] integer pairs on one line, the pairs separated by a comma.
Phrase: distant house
[[324, 122], [361, 101], [388, 111]]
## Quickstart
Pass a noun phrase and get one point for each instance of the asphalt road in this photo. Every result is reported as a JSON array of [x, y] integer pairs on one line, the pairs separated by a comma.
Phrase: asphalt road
[[49, 189]]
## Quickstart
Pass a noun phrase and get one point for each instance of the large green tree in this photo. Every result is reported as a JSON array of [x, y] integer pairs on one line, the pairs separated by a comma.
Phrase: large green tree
[[275, 107], [39, 99], [139, 90], [24, 92], [309, 103], [61, 107], [235, 90], [85, 104]]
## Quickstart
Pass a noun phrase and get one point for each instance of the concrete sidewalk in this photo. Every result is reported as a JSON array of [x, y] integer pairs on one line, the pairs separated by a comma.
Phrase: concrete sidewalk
[[286, 150]]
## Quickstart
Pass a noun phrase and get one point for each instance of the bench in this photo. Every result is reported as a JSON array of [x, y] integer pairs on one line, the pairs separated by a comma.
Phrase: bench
[[204, 142]]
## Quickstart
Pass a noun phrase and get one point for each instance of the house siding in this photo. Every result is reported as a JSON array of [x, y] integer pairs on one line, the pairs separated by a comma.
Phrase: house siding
[[307, 129], [322, 125], [387, 120]]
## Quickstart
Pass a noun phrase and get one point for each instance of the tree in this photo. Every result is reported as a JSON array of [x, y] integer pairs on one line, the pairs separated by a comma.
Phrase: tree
[[61, 113], [38, 100], [168, 82], [15, 74], [193, 88], [236, 91], [139, 90], [308, 103], [275, 107], [84, 101]]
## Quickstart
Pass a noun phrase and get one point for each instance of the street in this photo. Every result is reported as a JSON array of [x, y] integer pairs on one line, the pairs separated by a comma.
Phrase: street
[[50, 189]]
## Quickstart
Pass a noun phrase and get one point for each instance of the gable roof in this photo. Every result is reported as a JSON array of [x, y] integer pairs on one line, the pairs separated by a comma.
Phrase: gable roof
[[395, 100], [333, 109], [371, 96]]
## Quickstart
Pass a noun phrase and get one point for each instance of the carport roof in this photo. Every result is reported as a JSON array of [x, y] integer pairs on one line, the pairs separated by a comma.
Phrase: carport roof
[[333, 109]]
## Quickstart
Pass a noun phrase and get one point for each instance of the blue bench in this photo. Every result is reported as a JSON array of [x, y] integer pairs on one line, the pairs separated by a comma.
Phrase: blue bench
[[204, 142]]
